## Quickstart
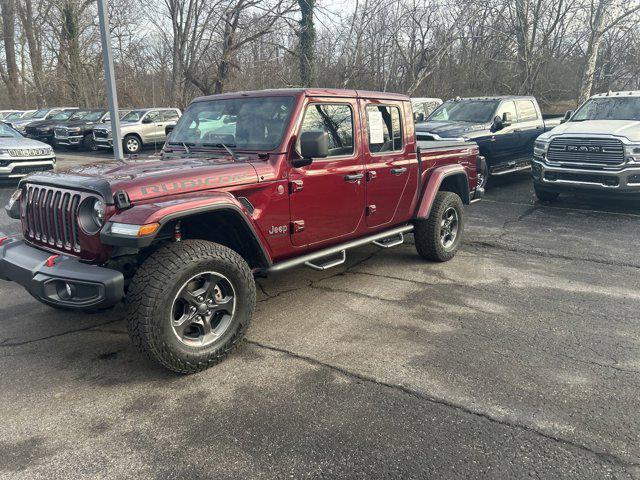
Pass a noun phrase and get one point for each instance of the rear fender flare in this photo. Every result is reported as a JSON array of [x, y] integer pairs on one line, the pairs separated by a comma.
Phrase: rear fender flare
[[434, 183]]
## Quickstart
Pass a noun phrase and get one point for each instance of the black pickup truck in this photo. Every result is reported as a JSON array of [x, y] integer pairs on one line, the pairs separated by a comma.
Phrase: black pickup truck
[[78, 130], [505, 128]]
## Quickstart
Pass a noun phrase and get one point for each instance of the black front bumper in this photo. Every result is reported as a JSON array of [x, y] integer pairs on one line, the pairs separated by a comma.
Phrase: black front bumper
[[67, 283]]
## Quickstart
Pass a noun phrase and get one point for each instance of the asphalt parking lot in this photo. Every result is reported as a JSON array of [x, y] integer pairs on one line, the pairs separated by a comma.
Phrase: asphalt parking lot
[[518, 359]]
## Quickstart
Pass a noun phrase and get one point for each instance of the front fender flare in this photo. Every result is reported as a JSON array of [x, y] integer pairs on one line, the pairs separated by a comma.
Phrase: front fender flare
[[433, 187], [177, 208]]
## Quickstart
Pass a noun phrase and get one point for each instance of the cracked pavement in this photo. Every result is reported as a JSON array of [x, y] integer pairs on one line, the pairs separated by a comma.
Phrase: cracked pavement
[[518, 359]]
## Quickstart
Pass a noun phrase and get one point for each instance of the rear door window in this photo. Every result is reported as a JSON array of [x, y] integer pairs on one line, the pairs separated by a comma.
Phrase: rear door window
[[337, 121], [527, 110], [384, 128]]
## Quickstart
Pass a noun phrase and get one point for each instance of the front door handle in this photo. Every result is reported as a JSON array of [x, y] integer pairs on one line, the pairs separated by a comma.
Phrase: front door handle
[[398, 171], [353, 178]]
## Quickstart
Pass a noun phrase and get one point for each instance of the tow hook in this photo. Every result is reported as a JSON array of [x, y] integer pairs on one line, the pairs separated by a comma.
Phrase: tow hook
[[51, 261]]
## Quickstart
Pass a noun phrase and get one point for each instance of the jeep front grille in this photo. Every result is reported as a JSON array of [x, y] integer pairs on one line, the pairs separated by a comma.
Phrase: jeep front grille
[[586, 150], [61, 132], [29, 152], [50, 217]]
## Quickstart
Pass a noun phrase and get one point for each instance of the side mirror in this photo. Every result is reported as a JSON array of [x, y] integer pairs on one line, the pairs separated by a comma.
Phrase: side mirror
[[168, 129], [419, 117], [506, 119], [567, 116], [147, 120], [312, 145], [497, 123]]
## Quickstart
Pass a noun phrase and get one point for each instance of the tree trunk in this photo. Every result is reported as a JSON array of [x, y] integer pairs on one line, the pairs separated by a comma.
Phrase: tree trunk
[[522, 40], [25, 11], [591, 60], [306, 42], [12, 78], [71, 40]]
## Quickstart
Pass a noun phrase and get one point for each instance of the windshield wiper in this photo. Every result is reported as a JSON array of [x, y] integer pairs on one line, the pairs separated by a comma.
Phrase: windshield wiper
[[225, 146]]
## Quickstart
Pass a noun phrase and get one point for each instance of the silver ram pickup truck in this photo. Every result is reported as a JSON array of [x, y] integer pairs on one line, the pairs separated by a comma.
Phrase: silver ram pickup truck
[[139, 127], [596, 150]]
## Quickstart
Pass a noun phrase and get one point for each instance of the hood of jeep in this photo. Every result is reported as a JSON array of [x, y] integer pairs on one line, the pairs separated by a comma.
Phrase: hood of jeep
[[147, 179]]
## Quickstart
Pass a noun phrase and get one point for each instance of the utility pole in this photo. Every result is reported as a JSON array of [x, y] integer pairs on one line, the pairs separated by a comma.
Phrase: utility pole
[[110, 78]]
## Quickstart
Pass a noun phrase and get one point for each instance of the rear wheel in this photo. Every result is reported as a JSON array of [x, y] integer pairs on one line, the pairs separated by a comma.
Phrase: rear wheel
[[190, 304], [438, 237], [545, 195], [132, 144]]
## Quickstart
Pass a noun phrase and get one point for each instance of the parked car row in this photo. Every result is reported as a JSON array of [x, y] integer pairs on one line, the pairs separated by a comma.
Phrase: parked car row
[[74, 127], [27, 137]]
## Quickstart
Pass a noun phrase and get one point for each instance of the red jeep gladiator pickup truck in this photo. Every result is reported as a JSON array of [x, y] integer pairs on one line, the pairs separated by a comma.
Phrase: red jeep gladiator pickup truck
[[249, 183]]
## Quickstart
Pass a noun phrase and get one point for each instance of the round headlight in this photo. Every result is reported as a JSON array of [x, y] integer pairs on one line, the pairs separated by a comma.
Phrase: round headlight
[[99, 210], [91, 215]]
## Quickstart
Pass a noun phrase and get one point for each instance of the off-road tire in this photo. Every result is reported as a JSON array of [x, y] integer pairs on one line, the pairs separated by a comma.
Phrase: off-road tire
[[545, 195], [89, 143], [127, 148], [153, 290], [427, 232]]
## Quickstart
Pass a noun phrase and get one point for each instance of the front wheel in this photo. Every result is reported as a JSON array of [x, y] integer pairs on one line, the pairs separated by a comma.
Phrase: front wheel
[[190, 304], [438, 237], [483, 176], [89, 143]]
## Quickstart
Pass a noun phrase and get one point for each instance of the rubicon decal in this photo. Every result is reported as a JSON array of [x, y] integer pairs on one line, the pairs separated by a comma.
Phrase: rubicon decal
[[195, 183]]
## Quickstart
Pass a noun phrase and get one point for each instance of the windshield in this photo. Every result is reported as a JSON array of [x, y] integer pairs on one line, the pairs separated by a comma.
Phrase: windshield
[[15, 116], [63, 115], [92, 116], [607, 108], [134, 116], [472, 111], [7, 132], [40, 113], [243, 123]]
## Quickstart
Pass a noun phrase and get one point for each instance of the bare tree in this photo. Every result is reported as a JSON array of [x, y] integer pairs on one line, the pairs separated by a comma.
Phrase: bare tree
[[603, 16]]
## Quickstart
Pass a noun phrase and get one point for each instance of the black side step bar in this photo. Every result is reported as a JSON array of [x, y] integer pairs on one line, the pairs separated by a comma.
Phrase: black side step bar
[[386, 239]]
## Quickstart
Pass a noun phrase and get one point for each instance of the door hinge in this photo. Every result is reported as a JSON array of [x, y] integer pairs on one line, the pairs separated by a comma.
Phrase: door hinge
[[297, 226], [296, 186], [371, 209]]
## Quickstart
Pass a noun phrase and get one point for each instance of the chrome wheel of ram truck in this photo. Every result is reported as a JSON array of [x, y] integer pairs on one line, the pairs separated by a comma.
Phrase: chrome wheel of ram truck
[[190, 304]]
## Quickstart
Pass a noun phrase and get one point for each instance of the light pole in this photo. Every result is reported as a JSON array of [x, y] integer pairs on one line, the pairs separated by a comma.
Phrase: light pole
[[110, 78]]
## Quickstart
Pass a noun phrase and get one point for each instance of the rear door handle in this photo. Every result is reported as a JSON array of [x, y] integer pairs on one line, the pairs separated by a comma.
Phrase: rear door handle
[[517, 130], [398, 171], [353, 178]]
